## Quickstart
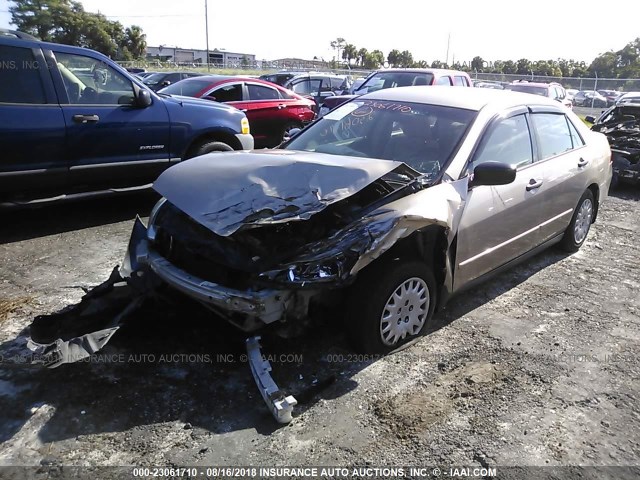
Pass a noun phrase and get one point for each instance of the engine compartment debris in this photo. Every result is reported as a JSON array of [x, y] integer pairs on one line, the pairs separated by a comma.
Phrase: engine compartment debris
[[621, 125]]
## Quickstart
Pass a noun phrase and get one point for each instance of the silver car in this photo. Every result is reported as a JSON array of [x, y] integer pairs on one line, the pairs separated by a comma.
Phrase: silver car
[[384, 208]]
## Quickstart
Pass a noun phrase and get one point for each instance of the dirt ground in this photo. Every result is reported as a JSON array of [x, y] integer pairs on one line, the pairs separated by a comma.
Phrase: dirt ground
[[539, 366]]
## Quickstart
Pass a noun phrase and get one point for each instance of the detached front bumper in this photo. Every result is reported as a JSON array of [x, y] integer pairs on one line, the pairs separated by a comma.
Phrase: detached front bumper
[[268, 305]]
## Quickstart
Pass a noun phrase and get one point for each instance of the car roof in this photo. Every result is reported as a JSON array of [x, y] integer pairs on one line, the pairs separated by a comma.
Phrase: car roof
[[534, 84], [423, 70], [459, 97], [4, 32], [211, 79], [224, 78]]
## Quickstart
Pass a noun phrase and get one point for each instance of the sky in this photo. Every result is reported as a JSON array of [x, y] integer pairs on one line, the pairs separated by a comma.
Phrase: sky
[[492, 29]]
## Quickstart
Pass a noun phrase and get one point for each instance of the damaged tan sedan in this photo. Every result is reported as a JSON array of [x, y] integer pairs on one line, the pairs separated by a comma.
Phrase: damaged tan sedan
[[387, 205]]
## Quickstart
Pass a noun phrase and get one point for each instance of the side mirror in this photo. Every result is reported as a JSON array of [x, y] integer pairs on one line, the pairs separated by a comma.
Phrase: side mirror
[[143, 98], [166, 83], [590, 119], [493, 173]]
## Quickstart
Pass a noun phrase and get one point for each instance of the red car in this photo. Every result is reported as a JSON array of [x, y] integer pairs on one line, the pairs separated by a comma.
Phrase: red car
[[272, 110]]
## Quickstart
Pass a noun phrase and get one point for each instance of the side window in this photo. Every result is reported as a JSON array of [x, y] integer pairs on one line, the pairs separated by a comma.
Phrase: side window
[[89, 81], [315, 86], [303, 87], [173, 77], [325, 85], [338, 83], [262, 92], [20, 75], [286, 94], [553, 134], [444, 81], [576, 139], [228, 93], [459, 81], [508, 141]]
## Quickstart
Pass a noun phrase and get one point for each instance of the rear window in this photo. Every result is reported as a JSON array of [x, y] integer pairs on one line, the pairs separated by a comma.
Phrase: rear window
[[20, 75], [528, 89], [188, 88], [154, 78], [384, 80]]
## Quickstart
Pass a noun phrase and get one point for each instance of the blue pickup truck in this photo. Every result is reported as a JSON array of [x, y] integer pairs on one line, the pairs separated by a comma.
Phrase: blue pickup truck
[[72, 123]]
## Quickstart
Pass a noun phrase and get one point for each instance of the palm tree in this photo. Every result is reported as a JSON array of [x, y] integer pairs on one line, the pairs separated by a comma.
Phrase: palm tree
[[136, 41]]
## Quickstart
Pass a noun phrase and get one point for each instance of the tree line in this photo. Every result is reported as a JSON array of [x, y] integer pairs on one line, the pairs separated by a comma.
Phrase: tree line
[[66, 21], [625, 63]]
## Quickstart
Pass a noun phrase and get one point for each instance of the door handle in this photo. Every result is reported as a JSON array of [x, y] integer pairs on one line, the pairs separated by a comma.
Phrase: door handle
[[281, 106], [533, 184], [86, 118], [582, 162]]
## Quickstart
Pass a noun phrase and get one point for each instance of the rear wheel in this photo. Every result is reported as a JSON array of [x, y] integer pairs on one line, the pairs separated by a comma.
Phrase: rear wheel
[[390, 305], [576, 233], [208, 146]]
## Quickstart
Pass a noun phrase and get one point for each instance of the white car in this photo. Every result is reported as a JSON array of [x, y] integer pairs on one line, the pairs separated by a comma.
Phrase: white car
[[629, 97]]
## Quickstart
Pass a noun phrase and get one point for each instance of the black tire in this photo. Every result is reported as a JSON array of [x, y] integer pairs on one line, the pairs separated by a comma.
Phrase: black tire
[[209, 147], [578, 229], [286, 129], [369, 300]]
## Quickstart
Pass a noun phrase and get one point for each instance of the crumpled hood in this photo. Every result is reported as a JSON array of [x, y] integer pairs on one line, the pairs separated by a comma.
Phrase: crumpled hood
[[226, 191]]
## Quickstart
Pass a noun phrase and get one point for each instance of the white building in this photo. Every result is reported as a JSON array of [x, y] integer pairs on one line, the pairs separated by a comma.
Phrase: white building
[[222, 58]]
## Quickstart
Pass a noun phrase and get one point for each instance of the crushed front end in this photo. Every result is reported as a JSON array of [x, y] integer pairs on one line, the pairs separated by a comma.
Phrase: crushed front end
[[271, 272]]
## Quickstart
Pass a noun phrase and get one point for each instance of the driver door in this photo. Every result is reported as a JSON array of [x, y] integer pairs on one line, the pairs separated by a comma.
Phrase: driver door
[[501, 222], [111, 142]]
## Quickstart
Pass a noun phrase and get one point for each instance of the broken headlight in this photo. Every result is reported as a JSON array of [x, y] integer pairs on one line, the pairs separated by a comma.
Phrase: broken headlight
[[151, 229], [312, 272]]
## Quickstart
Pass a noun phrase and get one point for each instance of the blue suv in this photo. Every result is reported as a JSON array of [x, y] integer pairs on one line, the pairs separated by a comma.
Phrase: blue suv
[[73, 122]]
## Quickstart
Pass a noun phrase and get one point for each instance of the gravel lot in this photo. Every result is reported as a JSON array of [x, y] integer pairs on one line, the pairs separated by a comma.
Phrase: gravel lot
[[539, 366]]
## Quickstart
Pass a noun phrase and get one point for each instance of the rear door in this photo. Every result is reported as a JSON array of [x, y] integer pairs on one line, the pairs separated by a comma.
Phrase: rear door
[[111, 142], [500, 223], [562, 154], [32, 127], [267, 113]]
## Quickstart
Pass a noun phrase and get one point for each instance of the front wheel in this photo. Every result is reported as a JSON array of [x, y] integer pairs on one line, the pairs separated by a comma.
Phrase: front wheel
[[208, 146], [576, 233], [390, 305]]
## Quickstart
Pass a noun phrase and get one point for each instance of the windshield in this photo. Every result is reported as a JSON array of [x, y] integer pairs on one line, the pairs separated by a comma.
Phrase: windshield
[[422, 136], [154, 78], [188, 88], [383, 80], [528, 89]]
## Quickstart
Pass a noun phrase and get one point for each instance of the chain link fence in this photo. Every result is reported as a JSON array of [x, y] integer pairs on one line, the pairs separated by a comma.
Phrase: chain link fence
[[260, 67], [619, 84]]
